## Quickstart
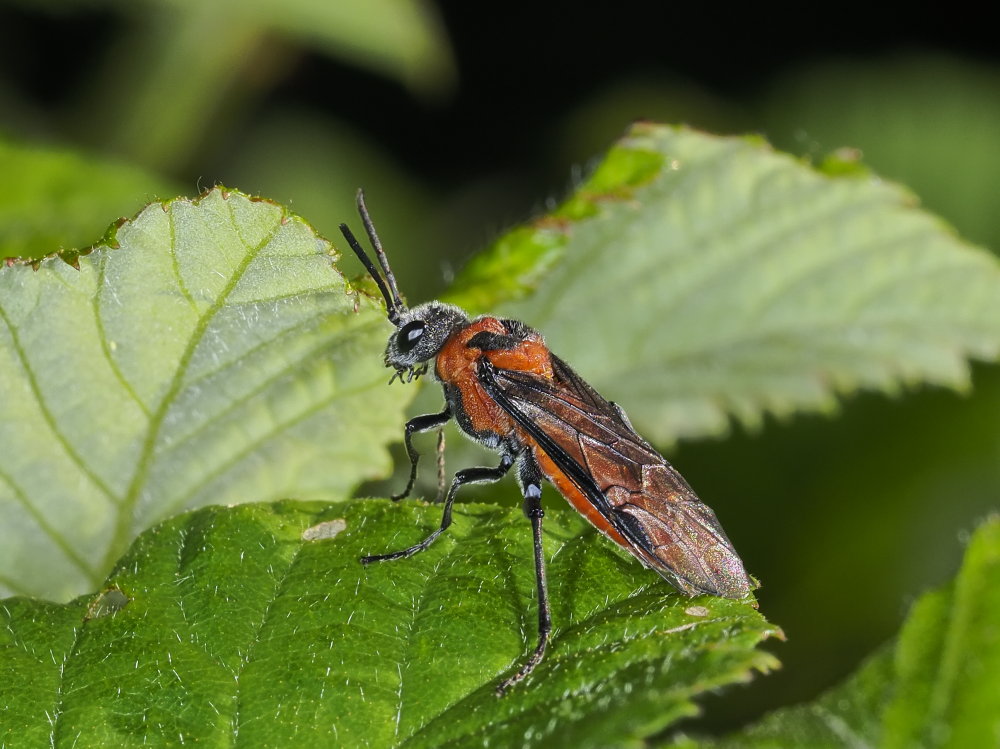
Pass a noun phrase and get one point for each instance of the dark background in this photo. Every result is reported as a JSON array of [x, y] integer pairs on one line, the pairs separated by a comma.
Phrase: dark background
[[844, 517]]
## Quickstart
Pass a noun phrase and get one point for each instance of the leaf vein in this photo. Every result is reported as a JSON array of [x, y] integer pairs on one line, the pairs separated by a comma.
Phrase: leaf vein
[[279, 589], [235, 403], [175, 261], [59, 701], [48, 416], [124, 524], [251, 447], [96, 302], [48, 529]]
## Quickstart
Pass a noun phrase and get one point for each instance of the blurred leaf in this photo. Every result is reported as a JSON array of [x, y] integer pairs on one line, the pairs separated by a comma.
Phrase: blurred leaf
[[847, 518], [225, 626], [847, 716], [404, 39], [938, 687], [697, 278], [242, 47], [213, 356], [316, 165], [929, 121], [53, 199], [947, 691], [658, 97]]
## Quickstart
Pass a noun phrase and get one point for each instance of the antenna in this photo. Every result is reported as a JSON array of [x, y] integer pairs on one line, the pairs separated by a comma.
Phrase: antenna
[[377, 244], [393, 303]]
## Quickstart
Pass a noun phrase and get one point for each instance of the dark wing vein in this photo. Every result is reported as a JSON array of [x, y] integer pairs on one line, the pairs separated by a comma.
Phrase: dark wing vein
[[592, 415], [646, 500], [566, 463]]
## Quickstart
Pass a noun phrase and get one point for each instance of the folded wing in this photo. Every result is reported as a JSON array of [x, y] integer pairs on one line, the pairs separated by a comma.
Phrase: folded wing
[[640, 494]]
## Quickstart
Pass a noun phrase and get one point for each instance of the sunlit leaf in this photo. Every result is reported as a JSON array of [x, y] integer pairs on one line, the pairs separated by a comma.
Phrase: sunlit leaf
[[213, 355], [257, 625], [697, 278], [924, 118]]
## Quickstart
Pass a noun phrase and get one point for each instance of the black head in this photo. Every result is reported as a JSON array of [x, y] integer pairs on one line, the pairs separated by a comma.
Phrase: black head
[[420, 332]]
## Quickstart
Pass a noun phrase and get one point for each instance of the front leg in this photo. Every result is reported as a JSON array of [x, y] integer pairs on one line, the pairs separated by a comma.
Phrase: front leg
[[465, 476], [416, 425]]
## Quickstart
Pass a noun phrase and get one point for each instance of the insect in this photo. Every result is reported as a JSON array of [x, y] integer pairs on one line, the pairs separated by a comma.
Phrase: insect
[[506, 390]]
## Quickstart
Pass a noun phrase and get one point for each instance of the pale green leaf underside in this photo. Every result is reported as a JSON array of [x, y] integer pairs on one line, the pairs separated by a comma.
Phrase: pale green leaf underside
[[938, 686], [214, 355], [225, 627], [696, 278]]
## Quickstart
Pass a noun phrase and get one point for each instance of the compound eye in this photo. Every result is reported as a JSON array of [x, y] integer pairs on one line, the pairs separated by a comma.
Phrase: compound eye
[[410, 335]]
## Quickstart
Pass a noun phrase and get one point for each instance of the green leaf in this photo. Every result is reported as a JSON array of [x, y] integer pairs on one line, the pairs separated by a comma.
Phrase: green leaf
[[924, 118], [948, 658], [54, 199], [242, 47], [698, 278], [404, 39], [938, 686], [214, 355], [257, 625]]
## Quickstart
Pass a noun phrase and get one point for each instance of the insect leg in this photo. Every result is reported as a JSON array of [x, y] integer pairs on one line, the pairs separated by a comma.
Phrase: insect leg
[[442, 476], [465, 476], [414, 426], [531, 483]]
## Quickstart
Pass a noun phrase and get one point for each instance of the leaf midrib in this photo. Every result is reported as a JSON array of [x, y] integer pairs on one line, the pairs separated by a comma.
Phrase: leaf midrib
[[960, 613], [123, 523], [179, 504], [279, 590], [291, 365]]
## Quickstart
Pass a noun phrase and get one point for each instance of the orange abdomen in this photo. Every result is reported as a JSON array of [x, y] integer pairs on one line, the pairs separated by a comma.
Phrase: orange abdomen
[[575, 497]]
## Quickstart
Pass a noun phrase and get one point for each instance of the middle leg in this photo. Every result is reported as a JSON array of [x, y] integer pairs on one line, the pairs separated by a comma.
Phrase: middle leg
[[465, 476]]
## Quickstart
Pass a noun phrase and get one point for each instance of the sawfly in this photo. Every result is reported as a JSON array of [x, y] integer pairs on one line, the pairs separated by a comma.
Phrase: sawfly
[[507, 391]]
